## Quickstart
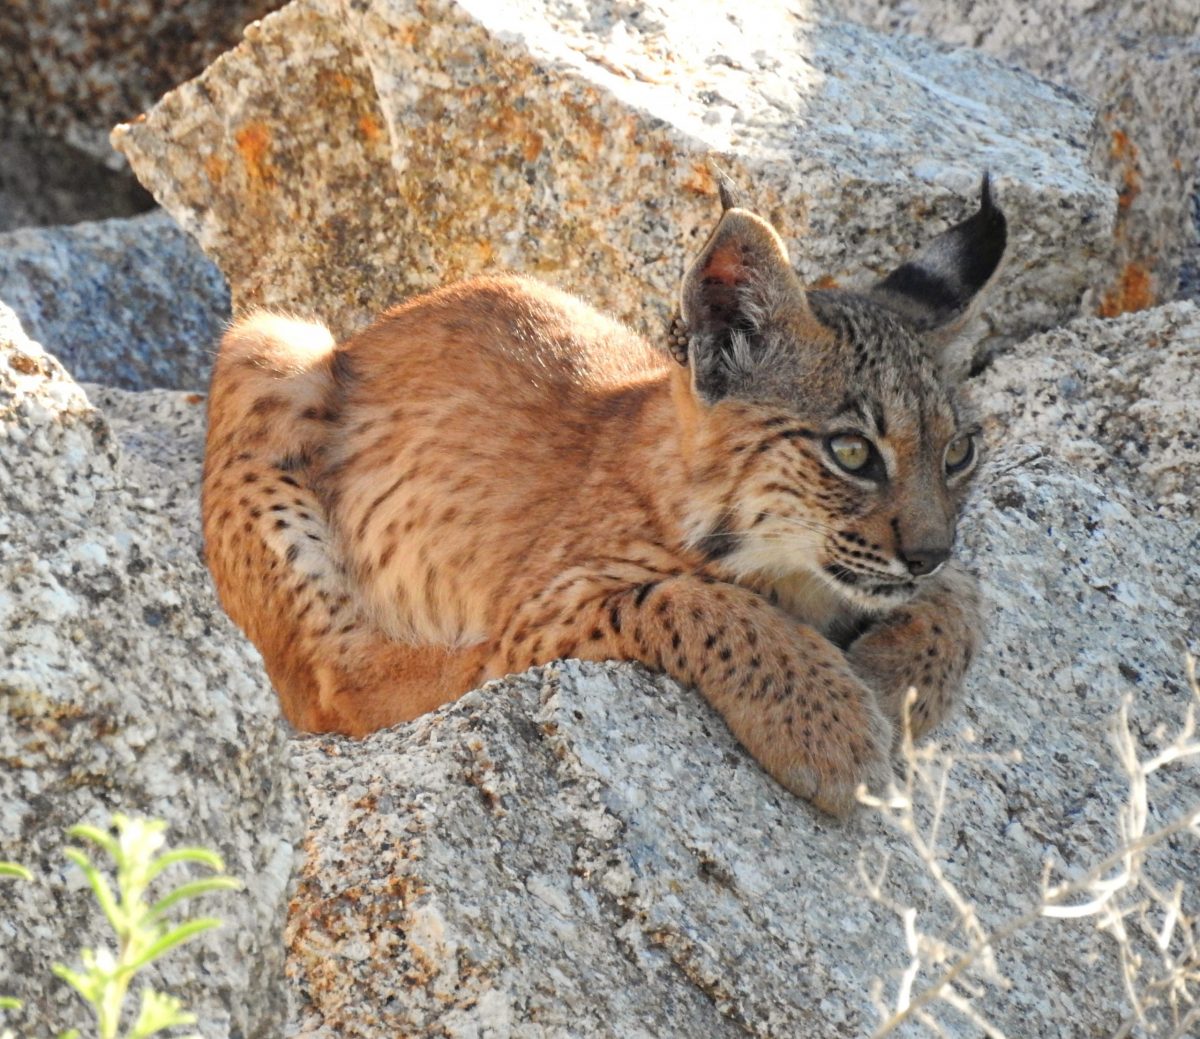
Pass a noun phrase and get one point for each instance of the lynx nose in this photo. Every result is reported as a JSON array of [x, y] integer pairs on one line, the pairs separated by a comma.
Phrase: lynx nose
[[925, 560]]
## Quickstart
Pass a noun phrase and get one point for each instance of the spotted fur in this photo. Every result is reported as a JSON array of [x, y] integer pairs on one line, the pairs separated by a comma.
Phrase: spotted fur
[[494, 475]]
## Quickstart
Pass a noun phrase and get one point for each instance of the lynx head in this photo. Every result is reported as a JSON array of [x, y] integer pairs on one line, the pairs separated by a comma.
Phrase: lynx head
[[835, 444]]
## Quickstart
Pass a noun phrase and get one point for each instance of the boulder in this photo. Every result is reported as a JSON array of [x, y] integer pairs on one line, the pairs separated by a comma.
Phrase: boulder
[[1117, 397], [1141, 60], [70, 70], [45, 182], [348, 154], [127, 302], [123, 687], [585, 849]]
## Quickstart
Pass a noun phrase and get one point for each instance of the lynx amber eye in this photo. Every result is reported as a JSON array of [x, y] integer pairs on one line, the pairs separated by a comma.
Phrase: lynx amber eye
[[851, 452], [960, 452]]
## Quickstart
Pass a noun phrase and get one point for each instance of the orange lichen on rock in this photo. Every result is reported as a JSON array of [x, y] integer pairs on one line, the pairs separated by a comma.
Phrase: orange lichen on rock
[[531, 145], [369, 127], [215, 168], [701, 180], [24, 364], [510, 125], [584, 111], [1125, 152], [253, 144], [1134, 291]]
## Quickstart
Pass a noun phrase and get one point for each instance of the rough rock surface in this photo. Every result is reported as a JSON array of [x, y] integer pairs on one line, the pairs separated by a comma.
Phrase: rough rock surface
[[1141, 60], [347, 154], [131, 303], [1189, 272], [71, 70], [45, 182], [1118, 397], [124, 687], [585, 850]]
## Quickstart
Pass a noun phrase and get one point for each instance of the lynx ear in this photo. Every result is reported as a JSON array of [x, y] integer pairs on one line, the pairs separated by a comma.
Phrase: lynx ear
[[727, 190], [934, 289], [740, 280]]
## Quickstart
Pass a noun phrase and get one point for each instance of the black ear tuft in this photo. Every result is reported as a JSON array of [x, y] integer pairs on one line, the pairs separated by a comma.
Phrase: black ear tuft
[[726, 189], [935, 287]]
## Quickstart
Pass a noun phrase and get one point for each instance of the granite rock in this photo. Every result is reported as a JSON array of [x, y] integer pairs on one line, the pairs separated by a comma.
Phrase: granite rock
[[1119, 397], [127, 302], [1141, 60], [348, 154], [1189, 272], [585, 850], [45, 182], [71, 70], [123, 687]]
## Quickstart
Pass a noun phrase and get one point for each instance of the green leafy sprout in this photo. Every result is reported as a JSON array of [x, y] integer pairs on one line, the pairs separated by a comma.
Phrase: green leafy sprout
[[142, 930]]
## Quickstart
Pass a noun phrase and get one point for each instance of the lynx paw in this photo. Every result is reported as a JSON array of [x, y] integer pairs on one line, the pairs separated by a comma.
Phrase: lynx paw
[[926, 645], [844, 758]]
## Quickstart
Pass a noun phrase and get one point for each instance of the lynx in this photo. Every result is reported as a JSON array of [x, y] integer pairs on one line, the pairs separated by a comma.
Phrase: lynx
[[494, 475]]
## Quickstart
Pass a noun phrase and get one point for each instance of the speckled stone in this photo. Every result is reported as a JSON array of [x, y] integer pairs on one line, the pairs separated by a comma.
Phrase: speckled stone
[[45, 182], [127, 302], [1189, 272], [1119, 397], [585, 850], [71, 70], [124, 687], [1141, 60], [348, 154]]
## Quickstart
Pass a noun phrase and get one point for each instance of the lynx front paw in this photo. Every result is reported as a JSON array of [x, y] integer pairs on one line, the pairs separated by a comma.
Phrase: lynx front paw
[[831, 763], [926, 645]]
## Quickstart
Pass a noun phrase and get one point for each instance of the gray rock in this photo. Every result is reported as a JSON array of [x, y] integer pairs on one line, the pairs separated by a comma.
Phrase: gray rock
[[1141, 60], [128, 302], [44, 182], [1189, 272], [71, 70], [584, 850], [347, 154], [1117, 397], [124, 687]]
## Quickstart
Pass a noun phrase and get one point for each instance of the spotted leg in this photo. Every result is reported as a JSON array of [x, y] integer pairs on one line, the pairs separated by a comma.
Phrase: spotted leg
[[926, 644], [786, 692]]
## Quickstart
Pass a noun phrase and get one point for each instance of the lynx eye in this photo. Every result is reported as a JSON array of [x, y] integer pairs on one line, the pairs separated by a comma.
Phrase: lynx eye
[[959, 453], [851, 452]]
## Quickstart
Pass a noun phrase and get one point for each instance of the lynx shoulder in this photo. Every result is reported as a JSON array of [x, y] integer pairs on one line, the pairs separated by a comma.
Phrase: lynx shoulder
[[494, 475]]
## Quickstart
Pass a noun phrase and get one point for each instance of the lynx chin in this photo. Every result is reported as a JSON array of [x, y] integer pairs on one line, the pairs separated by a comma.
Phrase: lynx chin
[[494, 475]]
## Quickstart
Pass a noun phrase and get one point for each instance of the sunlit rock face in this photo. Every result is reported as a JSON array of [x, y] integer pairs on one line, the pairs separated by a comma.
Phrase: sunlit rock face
[[1140, 61], [348, 154], [71, 70]]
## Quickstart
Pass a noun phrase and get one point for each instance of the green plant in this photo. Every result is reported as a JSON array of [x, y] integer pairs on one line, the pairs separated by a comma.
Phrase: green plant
[[11, 869], [143, 933]]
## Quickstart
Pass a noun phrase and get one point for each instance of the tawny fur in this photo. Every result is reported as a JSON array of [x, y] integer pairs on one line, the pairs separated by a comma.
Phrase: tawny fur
[[494, 476]]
